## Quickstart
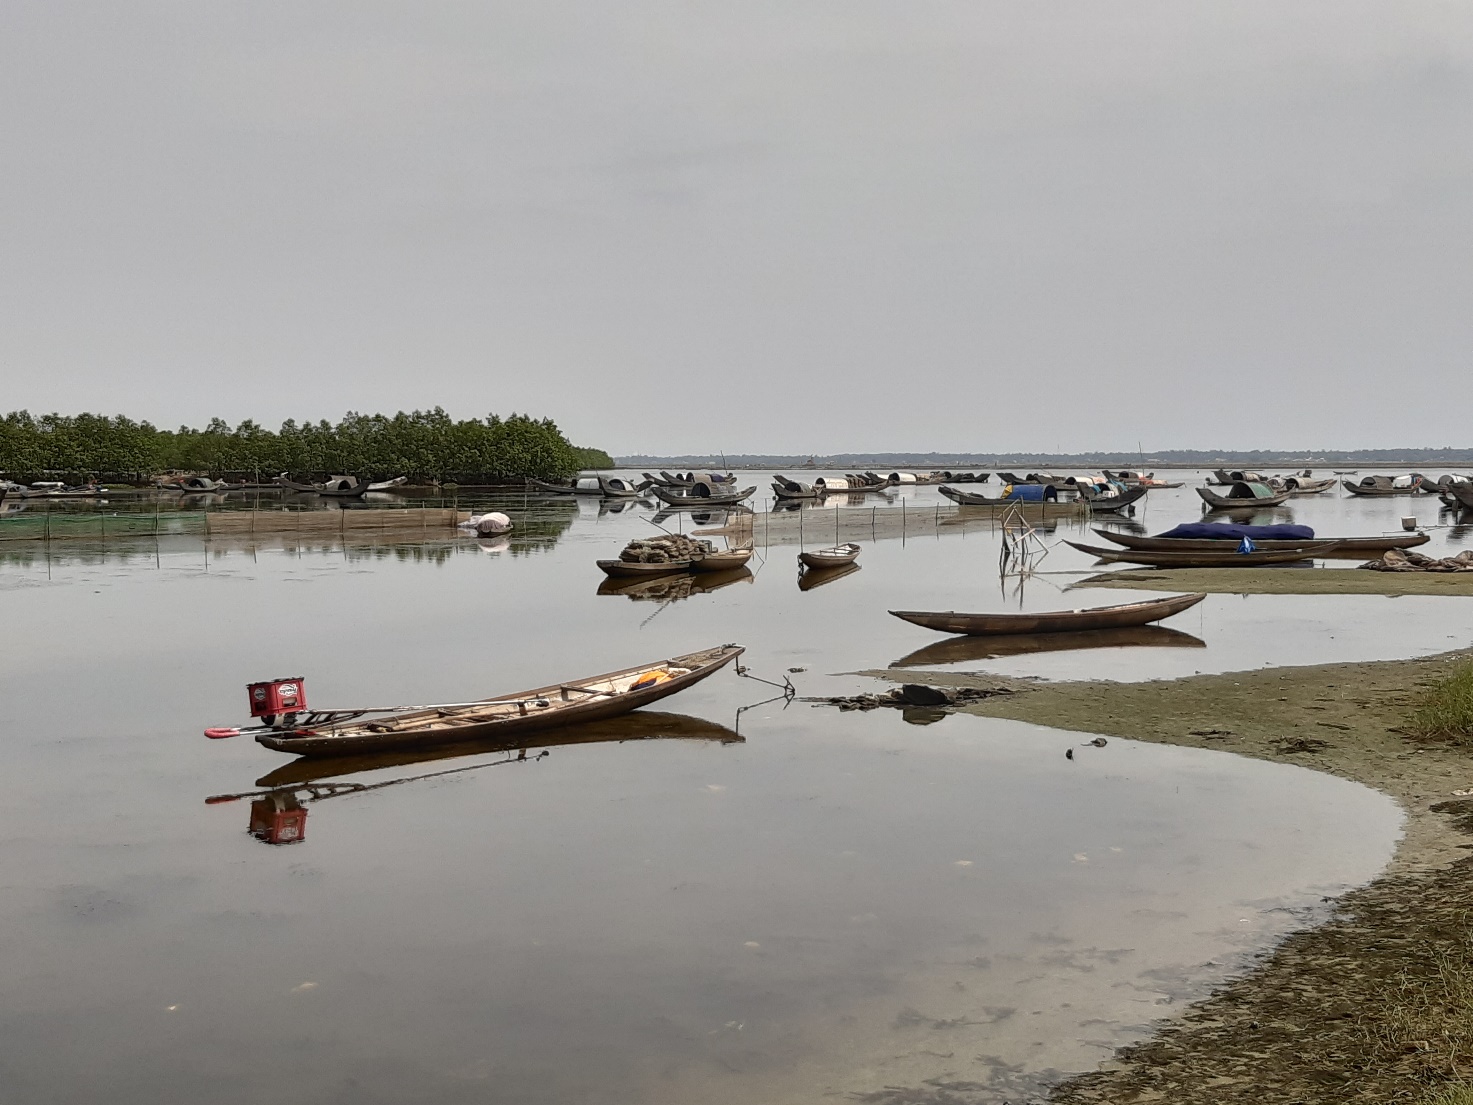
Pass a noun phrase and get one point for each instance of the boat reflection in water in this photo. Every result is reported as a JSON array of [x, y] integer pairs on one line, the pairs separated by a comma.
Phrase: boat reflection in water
[[674, 587], [279, 810], [959, 650], [810, 578]]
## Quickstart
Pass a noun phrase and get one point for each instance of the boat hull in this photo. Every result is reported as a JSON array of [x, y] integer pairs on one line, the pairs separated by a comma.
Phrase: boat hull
[[633, 569], [1051, 621], [822, 559], [1224, 559], [1344, 546], [1228, 502]]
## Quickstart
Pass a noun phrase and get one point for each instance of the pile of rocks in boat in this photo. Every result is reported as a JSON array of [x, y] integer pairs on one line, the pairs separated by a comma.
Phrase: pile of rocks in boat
[[1399, 560], [665, 549], [913, 694]]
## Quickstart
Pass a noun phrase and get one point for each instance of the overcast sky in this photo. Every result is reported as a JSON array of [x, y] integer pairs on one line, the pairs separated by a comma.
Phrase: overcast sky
[[750, 227]]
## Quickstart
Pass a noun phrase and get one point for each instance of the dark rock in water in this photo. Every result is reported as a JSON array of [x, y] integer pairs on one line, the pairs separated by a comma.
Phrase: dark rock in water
[[911, 695], [918, 694]]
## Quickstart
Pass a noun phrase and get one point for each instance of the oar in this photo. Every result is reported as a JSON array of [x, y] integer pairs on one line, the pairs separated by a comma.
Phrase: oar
[[333, 790]]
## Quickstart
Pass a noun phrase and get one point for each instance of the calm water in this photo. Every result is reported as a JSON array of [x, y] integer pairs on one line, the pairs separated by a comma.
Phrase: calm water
[[779, 906]]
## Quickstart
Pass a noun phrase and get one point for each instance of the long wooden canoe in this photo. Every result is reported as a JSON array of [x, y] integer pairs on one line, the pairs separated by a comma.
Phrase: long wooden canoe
[[550, 707], [962, 650], [1344, 546], [1051, 621], [1222, 559]]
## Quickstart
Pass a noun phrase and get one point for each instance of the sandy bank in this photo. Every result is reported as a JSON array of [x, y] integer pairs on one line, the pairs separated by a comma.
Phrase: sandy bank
[[1376, 1005], [1285, 581]]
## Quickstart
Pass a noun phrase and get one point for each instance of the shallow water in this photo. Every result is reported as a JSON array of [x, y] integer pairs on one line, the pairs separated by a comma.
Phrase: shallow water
[[831, 904]]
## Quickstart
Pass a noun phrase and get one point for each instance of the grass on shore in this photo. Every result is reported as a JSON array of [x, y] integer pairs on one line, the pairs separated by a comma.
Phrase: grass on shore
[[1451, 1095], [1446, 712]]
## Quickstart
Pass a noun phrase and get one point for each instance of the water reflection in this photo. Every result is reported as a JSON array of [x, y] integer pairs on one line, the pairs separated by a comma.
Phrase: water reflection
[[673, 588], [278, 814], [810, 578], [959, 650]]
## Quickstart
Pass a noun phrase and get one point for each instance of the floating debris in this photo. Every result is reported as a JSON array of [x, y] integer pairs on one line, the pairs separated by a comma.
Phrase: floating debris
[[912, 694], [1396, 560]]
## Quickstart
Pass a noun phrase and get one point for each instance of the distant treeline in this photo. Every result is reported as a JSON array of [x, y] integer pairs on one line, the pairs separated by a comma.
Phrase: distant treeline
[[424, 445], [1186, 458]]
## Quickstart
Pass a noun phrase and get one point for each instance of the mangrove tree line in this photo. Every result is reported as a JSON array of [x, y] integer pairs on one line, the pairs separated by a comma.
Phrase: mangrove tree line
[[423, 445]]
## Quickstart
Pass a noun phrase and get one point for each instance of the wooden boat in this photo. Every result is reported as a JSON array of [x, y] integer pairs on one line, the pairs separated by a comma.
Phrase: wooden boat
[[1224, 478], [634, 569], [64, 493], [1381, 485], [722, 561], [341, 488], [385, 485], [1460, 493], [1051, 621], [641, 725], [690, 479], [835, 556], [1033, 507], [809, 578], [1243, 494], [701, 497], [1344, 546], [1299, 486], [1108, 504], [963, 649], [784, 488], [1224, 559], [607, 487], [508, 716], [850, 485]]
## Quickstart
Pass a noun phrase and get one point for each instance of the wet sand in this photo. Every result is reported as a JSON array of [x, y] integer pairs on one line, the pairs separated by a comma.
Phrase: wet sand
[[1285, 581], [1373, 1005]]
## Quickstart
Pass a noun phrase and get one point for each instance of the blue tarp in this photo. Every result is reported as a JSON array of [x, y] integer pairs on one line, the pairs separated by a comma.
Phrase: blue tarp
[[1227, 531], [1032, 492]]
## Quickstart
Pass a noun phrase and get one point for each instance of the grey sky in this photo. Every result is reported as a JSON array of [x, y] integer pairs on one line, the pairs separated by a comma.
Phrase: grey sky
[[750, 226]]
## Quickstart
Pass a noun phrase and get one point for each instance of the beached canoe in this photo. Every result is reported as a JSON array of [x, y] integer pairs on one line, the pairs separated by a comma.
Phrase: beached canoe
[[1344, 546], [835, 557], [1223, 559], [550, 707], [1051, 621]]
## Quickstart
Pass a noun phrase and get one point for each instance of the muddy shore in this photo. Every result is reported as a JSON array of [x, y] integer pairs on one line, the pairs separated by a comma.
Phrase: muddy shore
[[1376, 1004]]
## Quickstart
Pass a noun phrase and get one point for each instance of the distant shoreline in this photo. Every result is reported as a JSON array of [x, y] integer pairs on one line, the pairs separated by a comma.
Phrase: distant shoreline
[[1089, 462]]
